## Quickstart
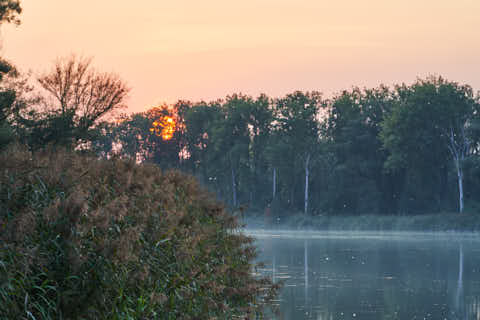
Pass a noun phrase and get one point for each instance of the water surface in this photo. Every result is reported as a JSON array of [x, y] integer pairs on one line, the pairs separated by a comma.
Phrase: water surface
[[364, 275]]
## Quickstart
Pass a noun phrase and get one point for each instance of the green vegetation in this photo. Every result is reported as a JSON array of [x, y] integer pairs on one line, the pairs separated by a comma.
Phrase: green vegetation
[[9, 11], [406, 150], [82, 238], [401, 150], [438, 222]]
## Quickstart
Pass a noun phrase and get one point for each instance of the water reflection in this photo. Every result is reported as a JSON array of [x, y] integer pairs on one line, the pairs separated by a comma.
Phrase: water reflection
[[374, 276], [274, 267], [459, 301], [306, 268]]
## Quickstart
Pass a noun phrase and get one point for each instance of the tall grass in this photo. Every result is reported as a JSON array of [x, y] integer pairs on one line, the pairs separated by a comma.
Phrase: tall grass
[[441, 222], [82, 238]]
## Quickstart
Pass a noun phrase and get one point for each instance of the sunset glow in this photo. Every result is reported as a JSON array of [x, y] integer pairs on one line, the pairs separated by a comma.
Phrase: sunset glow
[[194, 50], [164, 127]]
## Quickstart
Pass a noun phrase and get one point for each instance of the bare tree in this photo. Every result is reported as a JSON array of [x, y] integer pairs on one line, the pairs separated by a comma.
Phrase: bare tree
[[459, 147], [81, 92]]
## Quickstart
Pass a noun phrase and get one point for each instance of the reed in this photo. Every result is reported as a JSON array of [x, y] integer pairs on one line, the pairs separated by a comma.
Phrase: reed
[[82, 238]]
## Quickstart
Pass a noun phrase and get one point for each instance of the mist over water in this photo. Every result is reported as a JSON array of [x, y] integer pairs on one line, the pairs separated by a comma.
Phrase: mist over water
[[372, 275]]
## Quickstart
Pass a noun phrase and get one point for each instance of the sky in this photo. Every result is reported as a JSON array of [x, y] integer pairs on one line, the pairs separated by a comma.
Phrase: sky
[[194, 50]]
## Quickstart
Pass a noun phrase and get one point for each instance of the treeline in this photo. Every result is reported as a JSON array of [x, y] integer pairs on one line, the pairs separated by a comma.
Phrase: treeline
[[410, 149], [406, 149]]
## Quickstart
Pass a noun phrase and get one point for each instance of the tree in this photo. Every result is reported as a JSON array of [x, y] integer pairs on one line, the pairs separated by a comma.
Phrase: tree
[[359, 185], [260, 127], [80, 96], [199, 120], [297, 125], [459, 147], [231, 138], [165, 137], [131, 134], [7, 100], [141, 137], [9, 11], [464, 107], [428, 126]]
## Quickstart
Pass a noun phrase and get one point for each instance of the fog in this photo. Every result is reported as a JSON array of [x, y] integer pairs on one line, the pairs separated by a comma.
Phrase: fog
[[372, 275]]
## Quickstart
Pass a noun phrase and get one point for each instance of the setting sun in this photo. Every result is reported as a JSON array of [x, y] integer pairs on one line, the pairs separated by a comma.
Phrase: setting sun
[[164, 127]]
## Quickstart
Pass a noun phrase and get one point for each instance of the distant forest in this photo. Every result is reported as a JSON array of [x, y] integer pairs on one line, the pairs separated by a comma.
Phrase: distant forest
[[406, 149]]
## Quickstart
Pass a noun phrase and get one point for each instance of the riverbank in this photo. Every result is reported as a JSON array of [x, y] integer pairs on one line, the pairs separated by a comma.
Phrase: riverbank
[[444, 222]]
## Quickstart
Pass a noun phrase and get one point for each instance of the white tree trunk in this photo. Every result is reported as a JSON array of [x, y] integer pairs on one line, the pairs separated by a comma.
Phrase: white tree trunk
[[460, 186], [234, 189], [459, 148], [306, 182]]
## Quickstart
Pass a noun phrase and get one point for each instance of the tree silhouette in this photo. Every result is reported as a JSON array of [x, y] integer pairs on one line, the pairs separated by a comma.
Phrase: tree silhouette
[[81, 96]]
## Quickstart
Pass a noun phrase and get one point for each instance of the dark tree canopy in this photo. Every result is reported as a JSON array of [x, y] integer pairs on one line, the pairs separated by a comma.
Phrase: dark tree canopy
[[7, 101], [431, 116], [9, 11], [407, 149]]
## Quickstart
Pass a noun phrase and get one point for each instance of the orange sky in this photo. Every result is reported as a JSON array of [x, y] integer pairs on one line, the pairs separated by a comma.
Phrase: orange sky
[[190, 49]]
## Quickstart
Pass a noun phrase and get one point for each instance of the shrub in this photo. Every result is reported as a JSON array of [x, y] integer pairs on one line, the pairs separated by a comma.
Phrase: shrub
[[82, 238]]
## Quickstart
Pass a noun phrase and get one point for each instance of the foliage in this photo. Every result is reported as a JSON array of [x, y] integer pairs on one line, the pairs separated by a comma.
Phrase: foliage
[[417, 135], [297, 133], [9, 11], [427, 222], [199, 121], [384, 150], [365, 151], [424, 115], [353, 125], [7, 101], [82, 238], [139, 137]]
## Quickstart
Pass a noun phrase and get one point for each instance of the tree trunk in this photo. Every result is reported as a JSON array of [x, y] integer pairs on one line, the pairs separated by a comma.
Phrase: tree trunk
[[234, 189], [274, 186], [460, 185], [459, 150], [306, 183]]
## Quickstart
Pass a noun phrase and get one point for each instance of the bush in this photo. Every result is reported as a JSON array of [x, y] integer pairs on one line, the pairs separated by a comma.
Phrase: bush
[[82, 238]]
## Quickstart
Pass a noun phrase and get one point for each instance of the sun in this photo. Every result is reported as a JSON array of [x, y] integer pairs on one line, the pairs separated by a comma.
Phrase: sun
[[164, 127]]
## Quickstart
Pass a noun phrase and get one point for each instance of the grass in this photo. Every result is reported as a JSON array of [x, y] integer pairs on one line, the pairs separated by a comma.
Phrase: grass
[[428, 222], [82, 238]]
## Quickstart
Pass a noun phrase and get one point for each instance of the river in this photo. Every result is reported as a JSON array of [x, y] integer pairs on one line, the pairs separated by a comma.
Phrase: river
[[365, 275]]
